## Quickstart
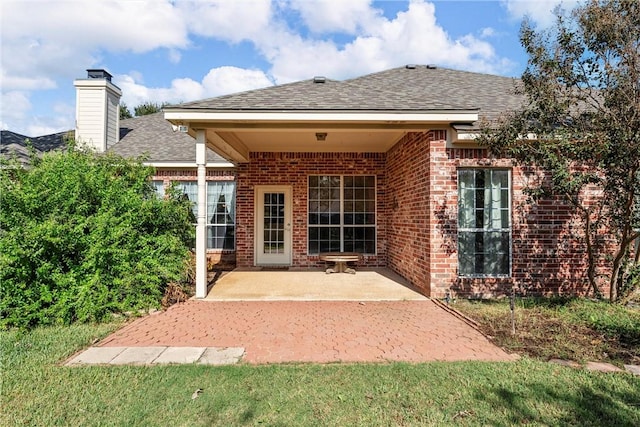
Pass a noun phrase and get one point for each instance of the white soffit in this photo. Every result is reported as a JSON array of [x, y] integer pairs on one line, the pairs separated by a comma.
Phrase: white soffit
[[234, 135], [263, 117]]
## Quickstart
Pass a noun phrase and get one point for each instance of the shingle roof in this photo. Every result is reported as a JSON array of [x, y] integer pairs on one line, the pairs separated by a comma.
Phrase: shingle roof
[[423, 88], [153, 137], [15, 144], [420, 88], [150, 136]]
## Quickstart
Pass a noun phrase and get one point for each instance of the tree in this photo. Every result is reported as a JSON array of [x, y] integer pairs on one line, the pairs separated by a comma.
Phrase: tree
[[581, 125], [83, 235], [148, 108], [143, 109], [124, 112]]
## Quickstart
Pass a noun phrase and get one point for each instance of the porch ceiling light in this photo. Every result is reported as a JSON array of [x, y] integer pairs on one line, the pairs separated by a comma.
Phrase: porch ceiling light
[[321, 136]]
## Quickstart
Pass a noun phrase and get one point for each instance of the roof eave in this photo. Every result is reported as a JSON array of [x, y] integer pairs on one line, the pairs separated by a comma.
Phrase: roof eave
[[181, 116], [181, 165]]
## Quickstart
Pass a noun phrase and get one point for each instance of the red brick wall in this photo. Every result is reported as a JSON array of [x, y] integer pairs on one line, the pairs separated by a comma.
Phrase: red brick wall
[[408, 181], [547, 249], [293, 169], [417, 200], [422, 195]]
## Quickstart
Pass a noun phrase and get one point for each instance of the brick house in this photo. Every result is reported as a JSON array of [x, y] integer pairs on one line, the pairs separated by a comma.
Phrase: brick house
[[384, 165]]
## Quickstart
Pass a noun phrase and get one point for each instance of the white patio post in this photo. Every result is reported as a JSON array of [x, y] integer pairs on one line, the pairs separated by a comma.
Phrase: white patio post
[[201, 227]]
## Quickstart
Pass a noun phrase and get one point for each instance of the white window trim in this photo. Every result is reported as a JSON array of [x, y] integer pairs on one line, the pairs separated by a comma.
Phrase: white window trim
[[342, 225], [208, 224]]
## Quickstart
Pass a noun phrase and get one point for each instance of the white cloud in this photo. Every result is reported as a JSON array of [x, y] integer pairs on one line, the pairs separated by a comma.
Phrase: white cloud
[[135, 93], [46, 125], [17, 82], [14, 106], [226, 20], [326, 16], [539, 11], [487, 32], [218, 81], [412, 36], [174, 56], [224, 80], [60, 34], [48, 44]]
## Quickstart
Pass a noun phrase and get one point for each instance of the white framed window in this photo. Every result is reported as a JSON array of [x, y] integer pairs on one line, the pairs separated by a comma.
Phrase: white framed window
[[341, 214], [484, 222], [221, 215]]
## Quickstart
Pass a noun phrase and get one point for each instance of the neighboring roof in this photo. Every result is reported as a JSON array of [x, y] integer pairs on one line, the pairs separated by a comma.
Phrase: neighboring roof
[[15, 144], [150, 137], [415, 88], [153, 137]]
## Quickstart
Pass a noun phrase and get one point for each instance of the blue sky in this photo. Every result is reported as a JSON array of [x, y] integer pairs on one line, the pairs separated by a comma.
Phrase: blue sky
[[178, 51]]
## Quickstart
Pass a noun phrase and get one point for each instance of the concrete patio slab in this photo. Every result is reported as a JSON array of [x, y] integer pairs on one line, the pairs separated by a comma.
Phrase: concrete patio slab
[[157, 356], [304, 285], [137, 356], [221, 356], [96, 356], [180, 355]]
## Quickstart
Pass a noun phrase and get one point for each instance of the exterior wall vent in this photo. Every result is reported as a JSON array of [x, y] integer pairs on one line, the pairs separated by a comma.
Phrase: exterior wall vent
[[319, 79]]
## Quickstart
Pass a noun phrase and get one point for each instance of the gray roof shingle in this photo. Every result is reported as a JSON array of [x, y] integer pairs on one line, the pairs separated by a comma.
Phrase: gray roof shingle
[[15, 144], [153, 137], [423, 88]]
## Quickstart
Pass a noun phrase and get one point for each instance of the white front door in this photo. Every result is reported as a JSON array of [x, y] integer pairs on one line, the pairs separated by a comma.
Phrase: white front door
[[273, 225]]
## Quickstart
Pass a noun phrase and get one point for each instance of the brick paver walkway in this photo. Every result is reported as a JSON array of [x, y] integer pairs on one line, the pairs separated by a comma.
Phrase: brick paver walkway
[[314, 331]]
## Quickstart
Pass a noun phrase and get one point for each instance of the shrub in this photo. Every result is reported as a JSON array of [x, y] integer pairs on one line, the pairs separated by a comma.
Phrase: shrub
[[82, 235]]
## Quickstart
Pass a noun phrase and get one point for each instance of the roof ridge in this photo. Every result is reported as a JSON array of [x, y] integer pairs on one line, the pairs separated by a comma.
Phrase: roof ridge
[[419, 88], [430, 67], [247, 92]]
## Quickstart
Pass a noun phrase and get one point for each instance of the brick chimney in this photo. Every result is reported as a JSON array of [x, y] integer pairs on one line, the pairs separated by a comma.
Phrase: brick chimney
[[97, 110]]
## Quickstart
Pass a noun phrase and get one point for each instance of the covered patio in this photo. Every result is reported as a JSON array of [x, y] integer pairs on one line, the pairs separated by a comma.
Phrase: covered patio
[[256, 284], [323, 166]]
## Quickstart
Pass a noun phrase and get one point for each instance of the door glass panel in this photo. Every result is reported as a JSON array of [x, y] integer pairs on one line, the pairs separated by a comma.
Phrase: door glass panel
[[274, 223]]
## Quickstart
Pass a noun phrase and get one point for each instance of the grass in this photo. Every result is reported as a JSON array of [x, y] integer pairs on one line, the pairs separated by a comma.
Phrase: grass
[[575, 329], [38, 390]]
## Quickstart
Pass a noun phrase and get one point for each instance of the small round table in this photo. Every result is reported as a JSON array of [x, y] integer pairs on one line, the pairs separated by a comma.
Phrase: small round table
[[340, 259]]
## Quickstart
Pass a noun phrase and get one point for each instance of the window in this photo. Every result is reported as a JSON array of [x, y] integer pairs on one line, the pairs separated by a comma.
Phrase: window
[[158, 186], [342, 214], [221, 216], [190, 190], [484, 222]]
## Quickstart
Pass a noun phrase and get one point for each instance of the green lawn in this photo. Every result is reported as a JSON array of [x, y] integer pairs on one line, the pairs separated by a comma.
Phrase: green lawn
[[37, 390]]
